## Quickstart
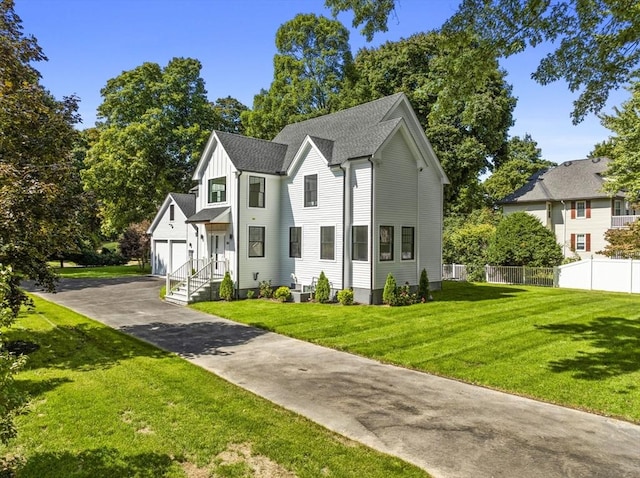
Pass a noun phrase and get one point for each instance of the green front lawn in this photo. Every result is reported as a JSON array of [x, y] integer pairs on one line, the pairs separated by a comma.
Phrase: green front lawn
[[576, 348], [101, 272], [107, 405]]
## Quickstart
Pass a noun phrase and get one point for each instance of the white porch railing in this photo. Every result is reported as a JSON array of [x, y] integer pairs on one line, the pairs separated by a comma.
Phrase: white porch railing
[[618, 222], [195, 274]]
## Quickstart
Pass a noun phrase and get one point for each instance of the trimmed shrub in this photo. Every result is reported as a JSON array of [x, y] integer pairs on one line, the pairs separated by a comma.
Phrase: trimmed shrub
[[423, 286], [89, 257], [404, 296], [323, 291], [389, 292], [250, 294], [345, 296], [266, 291], [282, 293], [226, 287]]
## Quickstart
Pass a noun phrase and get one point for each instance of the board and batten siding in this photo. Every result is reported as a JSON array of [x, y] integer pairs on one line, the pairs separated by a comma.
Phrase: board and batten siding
[[361, 216], [267, 267], [396, 204], [328, 212], [219, 165]]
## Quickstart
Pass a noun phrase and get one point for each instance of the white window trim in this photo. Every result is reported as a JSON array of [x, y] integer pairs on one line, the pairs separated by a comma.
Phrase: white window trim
[[226, 191], [584, 209], [304, 191], [393, 245], [335, 233], [249, 206], [301, 243], [584, 243]]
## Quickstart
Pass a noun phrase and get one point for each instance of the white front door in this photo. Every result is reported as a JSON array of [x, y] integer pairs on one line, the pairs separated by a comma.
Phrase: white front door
[[217, 251]]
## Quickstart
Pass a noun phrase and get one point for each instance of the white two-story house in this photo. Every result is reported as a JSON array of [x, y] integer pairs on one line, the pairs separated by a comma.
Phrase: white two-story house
[[356, 194], [569, 200]]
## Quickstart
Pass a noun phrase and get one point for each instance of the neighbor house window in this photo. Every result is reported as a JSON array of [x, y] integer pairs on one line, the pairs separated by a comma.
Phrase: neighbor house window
[[360, 249], [256, 241], [327, 242], [408, 244], [581, 242], [172, 212], [218, 190], [311, 190], [386, 243], [295, 242], [617, 208], [256, 191]]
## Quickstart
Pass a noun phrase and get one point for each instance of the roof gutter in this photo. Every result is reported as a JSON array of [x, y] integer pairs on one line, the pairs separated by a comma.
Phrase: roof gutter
[[371, 281], [237, 235]]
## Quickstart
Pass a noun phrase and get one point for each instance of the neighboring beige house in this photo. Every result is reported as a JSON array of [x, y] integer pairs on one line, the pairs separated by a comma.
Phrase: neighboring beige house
[[356, 194], [568, 199]]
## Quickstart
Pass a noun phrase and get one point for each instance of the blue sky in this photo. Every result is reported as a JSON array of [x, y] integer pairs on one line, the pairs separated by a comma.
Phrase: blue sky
[[90, 41]]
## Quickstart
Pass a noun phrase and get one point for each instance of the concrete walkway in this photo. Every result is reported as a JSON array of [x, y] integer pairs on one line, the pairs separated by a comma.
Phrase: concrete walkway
[[448, 428]]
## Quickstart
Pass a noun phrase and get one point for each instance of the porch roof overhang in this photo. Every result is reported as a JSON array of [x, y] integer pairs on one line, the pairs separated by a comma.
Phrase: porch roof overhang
[[212, 215]]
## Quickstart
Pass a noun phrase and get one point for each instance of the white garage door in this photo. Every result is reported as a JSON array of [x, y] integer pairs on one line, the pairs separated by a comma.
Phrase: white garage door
[[178, 254], [161, 257]]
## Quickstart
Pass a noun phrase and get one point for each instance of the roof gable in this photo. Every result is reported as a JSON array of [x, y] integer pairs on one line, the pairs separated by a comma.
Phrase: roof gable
[[185, 202]]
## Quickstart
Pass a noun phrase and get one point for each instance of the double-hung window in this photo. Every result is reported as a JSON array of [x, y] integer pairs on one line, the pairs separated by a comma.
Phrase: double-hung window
[[386, 243], [256, 191], [617, 208], [256, 241], [311, 190], [295, 242], [218, 190], [327, 242], [360, 245], [581, 209], [408, 243]]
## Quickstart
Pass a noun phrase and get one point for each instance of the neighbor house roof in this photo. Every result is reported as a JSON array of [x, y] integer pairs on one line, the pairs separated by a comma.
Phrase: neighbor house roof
[[579, 179]]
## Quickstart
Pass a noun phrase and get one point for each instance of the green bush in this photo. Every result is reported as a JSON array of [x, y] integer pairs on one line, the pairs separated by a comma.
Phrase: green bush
[[323, 290], [89, 257], [250, 294], [266, 291], [389, 292], [282, 293], [423, 286], [226, 287], [522, 240], [404, 296], [345, 296]]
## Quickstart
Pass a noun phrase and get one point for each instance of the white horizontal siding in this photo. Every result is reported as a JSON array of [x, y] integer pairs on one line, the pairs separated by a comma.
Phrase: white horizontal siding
[[361, 216]]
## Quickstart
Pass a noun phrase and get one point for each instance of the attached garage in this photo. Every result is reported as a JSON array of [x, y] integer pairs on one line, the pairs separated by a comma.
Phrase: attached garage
[[160, 259], [178, 254]]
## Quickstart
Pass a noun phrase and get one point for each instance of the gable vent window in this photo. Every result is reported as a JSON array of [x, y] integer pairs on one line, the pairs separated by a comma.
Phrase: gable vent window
[[172, 212], [218, 190], [256, 191], [311, 190]]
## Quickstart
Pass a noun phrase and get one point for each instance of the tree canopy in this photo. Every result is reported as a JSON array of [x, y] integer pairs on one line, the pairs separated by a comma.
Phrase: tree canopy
[[597, 42], [310, 66], [154, 123], [623, 173], [623, 243], [466, 121]]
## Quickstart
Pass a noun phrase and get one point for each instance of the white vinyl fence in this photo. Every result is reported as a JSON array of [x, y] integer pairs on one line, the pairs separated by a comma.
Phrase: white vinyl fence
[[615, 275], [540, 276]]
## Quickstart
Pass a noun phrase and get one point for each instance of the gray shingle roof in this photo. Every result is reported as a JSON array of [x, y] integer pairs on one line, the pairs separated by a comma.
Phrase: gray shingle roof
[[252, 154], [212, 214], [186, 203], [579, 179], [355, 132]]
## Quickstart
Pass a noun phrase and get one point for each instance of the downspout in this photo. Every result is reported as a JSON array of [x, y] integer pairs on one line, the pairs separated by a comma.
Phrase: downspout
[[237, 236], [344, 226], [564, 228], [371, 281]]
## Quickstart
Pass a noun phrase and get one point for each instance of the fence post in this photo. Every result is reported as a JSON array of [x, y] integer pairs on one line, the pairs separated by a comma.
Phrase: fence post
[[524, 275]]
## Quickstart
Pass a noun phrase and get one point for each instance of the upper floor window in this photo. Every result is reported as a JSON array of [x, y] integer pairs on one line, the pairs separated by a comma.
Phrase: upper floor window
[[256, 191], [327, 242], [386, 243], [360, 246], [218, 190], [617, 208], [311, 190], [172, 212], [581, 242], [408, 243], [256, 241], [581, 209], [295, 242]]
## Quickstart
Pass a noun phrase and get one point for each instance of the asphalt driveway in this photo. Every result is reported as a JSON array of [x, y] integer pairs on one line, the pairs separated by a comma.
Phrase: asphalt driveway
[[448, 428]]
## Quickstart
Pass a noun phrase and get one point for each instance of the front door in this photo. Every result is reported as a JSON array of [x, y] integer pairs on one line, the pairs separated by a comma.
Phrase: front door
[[217, 252]]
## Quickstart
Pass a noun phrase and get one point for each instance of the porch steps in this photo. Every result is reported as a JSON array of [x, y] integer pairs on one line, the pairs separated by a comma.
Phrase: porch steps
[[208, 291]]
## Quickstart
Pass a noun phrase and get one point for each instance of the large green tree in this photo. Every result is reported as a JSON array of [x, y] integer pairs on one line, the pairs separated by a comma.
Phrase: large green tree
[[523, 159], [40, 200], [310, 66], [465, 120], [154, 123], [597, 42], [624, 147]]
